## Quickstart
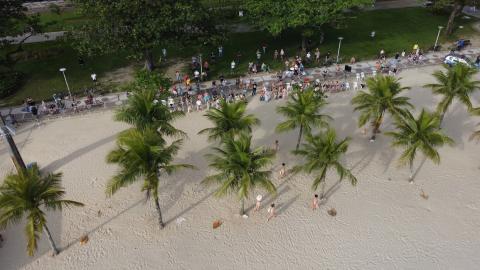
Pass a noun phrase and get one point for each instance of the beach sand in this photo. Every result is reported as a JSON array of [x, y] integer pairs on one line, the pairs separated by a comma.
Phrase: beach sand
[[382, 223]]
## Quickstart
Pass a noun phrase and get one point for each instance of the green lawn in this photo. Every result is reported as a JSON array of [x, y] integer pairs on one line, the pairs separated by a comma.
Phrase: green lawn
[[395, 30], [64, 21], [43, 77]]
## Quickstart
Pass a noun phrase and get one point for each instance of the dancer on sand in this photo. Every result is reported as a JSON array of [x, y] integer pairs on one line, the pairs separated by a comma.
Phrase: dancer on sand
[[271, 211], [282, 170], [276, 146], [315, 202], [257, 204]]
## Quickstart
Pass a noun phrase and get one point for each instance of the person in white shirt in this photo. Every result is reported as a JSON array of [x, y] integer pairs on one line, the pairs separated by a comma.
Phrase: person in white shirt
[[232, 66]]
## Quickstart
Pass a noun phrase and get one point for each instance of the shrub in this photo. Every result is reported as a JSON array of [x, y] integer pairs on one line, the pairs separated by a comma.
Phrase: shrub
[[10, 81]]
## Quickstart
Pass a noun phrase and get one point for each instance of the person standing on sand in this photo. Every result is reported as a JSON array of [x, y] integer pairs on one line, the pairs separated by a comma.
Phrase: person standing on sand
[[282, 170], [271, 211], [276, 146], [315, 202], [258, 203]]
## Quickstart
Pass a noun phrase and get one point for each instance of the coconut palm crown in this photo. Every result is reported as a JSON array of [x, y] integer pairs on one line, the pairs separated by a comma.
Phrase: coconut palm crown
[[239, 168], [229, 120], [382, 95], [456, 83], [143, 111], [29, 194], [322, 152], [303, 111], [422, 134], [143, 155]]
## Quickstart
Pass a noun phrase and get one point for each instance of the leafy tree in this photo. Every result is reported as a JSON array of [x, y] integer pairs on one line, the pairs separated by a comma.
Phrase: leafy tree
[[457, 83], [277, 16], [145, 80], [145, 111], [13, 22], [382, 96], [240, 168], [28, 194], [143, 155], [421, 134], [303, 111], [138, 26], [321, 153], [229, 120]]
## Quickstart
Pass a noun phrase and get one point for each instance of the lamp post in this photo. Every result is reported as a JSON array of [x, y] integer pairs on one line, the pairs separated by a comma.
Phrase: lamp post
[[201, 67], [438, 35], [15, 154], [339, 45], [65, 77]]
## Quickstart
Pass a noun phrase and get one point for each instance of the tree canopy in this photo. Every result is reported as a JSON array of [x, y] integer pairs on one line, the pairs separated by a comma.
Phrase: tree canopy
[[137, 26], [278, 16]]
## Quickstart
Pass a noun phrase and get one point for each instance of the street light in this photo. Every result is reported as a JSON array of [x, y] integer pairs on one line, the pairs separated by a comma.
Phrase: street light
[[65, 77], [7, 132], [339, 44], [438, 35], [201, 66]]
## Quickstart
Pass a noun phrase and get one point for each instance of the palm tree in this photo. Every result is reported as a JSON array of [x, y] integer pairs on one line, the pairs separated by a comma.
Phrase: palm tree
[[143, 155], [144, 111], [240, 168], [321, 153], [382, 96], [302, 111], [229, 120], [28, 194], [422, 134], [456, 83]]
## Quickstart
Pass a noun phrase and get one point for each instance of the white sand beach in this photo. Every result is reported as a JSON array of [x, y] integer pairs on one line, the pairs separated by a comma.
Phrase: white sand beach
[[382, 223]]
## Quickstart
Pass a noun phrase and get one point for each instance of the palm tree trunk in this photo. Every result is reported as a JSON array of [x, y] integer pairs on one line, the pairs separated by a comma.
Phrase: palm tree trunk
[[299, 137], [442, 115], [149, 64], [242, 209], [376, 127], [159, 211], [50, 239], [15, 154], [411, 173], [322, 194]]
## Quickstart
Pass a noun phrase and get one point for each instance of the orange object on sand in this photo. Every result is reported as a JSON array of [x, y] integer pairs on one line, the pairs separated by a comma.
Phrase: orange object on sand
[[217, 224]]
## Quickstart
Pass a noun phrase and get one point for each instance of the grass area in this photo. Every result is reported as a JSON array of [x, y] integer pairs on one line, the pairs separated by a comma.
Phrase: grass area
[[395, 29], [43, 78], [64, 21]]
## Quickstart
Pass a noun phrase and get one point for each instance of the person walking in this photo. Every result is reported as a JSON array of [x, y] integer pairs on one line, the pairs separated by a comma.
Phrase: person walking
[[258, 203], [282, 171], [271, 212], [220, 51], [315, 202], [276, 146], [232, 66]]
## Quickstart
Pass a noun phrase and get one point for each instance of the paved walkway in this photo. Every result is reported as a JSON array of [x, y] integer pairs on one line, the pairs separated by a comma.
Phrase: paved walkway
[[397, 4], [367, 67], [49, 36]]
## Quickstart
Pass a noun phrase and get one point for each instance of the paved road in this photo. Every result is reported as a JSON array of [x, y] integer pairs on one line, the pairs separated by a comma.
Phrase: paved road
[[397, 4], [49, 36]]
